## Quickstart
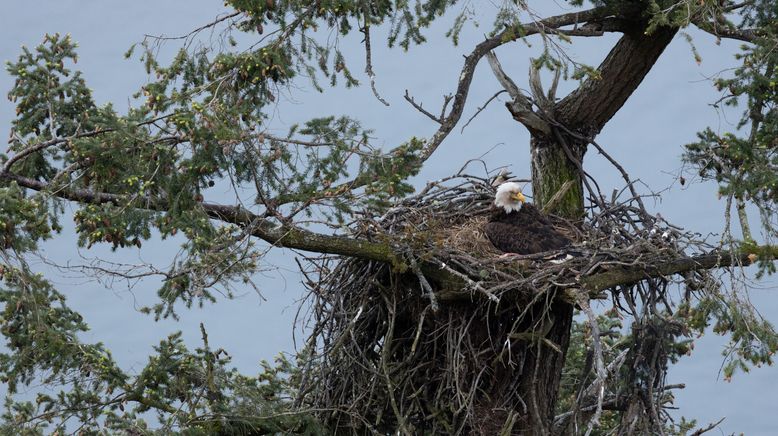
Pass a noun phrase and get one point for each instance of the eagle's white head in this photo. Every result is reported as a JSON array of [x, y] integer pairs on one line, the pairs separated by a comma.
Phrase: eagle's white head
[[509, 197]]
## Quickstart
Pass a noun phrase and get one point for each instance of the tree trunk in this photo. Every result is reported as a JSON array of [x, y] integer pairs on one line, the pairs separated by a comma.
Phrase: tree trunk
[[543, 363], [551, 168], [524, 386], [557, 159]]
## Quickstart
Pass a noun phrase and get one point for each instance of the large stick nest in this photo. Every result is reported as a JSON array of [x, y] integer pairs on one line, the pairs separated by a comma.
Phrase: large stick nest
[[399, 351]]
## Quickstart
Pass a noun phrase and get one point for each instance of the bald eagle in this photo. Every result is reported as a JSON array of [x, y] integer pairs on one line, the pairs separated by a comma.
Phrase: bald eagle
[[517, 227]]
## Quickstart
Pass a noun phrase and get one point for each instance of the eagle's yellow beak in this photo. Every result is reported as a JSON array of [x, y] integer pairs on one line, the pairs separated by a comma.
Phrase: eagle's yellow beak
[[518, 196]]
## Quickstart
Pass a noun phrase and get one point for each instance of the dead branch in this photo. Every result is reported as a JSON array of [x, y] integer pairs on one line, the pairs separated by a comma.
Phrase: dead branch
[[520, 107]]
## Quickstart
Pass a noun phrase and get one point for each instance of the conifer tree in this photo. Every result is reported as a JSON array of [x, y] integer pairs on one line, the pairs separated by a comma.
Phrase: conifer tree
[[143, 176]]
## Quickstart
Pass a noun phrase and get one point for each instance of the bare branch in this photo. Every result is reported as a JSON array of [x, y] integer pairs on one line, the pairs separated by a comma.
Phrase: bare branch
[[743, 217], [551, 204], [369, 63], [471, 61], [599, 360], [521, 107], [418, 107], [726, 32], [198, 30], [506, 82], [710, 427], [480, 109]]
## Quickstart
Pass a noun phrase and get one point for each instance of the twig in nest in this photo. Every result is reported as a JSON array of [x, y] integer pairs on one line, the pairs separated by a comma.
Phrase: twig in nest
[[425, 284], [470, 282], [385, 366]]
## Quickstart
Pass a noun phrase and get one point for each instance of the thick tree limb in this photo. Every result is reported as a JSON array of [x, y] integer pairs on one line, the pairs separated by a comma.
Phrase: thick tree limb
[[279, 235], [625, 275], [595, 102], [520, 107], [455, 289]]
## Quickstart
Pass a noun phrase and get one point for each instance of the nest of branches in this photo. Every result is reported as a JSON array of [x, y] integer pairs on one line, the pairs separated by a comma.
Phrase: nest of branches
[[440, 342]]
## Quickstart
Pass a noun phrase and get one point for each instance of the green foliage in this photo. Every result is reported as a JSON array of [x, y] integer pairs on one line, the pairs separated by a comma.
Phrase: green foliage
[[746, 165], [52, 101], [24, 220], [194, 392], [200, 124], [752, 340], [211, 257]]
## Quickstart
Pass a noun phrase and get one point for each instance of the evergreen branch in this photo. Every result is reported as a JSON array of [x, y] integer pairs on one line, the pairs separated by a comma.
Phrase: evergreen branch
[[279, 235], [46, 144]]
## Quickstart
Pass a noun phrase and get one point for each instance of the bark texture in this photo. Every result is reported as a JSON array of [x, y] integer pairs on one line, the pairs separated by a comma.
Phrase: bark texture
[[556, 159], [596, 101]]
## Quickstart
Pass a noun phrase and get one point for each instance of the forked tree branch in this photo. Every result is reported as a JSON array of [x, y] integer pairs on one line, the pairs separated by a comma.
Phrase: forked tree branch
[[471, 61], [458, 99]]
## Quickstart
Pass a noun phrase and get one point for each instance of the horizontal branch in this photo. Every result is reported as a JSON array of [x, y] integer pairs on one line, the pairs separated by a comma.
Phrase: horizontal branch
[[278, 235], [626, 275], [595, 283], [727, 32], [453, 287]]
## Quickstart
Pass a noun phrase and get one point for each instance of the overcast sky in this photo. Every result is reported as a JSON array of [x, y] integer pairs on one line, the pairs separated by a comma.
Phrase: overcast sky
[[645, 136]]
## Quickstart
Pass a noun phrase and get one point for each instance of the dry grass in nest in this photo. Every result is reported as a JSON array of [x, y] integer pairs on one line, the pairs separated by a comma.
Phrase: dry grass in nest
[[468, 236]]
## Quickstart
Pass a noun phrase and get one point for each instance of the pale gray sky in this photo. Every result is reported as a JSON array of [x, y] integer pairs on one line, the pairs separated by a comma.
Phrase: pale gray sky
[[645, 136]]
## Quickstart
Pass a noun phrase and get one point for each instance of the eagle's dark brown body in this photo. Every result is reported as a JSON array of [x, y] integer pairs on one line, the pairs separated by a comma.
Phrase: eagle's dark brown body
[[526, 231]]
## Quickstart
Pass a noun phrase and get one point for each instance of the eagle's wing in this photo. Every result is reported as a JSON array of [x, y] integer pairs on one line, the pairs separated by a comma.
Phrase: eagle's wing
[[534, 238]]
